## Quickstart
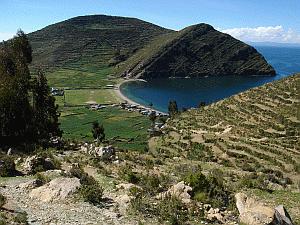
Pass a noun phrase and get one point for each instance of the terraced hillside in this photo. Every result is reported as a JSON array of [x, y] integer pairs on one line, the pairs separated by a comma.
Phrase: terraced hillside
[[90, 41], [255, 131], [89, 51]]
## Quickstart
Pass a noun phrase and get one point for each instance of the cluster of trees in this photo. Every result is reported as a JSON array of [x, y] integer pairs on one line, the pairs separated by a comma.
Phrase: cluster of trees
[[28, 113]]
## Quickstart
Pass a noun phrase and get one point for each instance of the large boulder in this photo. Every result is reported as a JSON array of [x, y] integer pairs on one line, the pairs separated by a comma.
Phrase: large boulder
[[253, 212], [57, 189], [179, 190], [35, 164], [103, 152], [281, 216]]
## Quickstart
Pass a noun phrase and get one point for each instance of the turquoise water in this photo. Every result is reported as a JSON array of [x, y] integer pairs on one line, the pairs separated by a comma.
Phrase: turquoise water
[[189, 92]]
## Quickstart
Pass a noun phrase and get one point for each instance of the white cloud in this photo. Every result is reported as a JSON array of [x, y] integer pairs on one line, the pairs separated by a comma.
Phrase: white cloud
[[5, 36], [265, 34]]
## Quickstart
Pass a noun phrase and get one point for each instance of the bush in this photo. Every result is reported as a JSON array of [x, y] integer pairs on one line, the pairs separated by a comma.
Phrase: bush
[[92, 193], [128, 175], [7, 166], [173, 210], [208, 189], [90, 190], [2, 200], [42, 179], [21, 218], [85, 179]]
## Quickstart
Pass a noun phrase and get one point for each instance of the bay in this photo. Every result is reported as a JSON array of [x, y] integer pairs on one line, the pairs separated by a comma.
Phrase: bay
[[189, 92]]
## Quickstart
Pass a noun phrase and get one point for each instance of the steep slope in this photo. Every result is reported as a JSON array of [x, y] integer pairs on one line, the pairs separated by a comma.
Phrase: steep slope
[[90, 41], [199, 50], [101, 45], [255, 131]]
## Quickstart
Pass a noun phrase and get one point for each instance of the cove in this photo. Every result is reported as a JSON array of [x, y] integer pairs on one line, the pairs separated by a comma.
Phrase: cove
[[189, 92]]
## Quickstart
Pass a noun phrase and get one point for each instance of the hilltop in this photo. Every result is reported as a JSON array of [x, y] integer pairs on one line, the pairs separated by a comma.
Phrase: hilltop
[[104, 47]]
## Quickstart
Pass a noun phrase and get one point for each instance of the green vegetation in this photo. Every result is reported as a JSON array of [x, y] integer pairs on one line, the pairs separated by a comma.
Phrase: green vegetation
[[251, 137], [90, 190], [98, 132], [127, 130], [28, 111], [7, 166]]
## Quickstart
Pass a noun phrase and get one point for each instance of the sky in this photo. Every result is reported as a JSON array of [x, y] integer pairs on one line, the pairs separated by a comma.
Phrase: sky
[[247, 20]]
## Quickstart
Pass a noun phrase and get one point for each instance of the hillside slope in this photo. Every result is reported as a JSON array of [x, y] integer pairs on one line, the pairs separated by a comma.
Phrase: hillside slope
[[257, 130], [201, 50], [107, 45], [90, 41]]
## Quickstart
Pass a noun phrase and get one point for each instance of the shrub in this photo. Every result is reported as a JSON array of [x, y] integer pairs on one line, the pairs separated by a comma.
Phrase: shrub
[[172, 209], [128, 175], [21, 218], [42, 179], [7, 166], [92, 193], [90, 190], [209, 189]]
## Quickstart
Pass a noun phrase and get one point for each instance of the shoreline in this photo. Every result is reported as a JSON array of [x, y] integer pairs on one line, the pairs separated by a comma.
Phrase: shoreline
[[124, 98]]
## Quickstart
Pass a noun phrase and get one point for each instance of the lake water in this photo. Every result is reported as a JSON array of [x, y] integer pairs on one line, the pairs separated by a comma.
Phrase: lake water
[[189, 92]]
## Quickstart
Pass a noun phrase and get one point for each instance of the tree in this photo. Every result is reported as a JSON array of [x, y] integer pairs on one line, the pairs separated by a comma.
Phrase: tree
[[201, 104], [45, 110], [173, 108], [152, 117], [15, 109], [98, 131]]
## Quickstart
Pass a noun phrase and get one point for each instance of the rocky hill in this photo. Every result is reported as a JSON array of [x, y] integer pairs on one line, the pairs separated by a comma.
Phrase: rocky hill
[[134, 48]]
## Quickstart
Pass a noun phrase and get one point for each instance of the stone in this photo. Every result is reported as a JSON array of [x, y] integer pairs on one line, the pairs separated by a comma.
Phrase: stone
[[179, 190], [253, 212], [34, 162], [31, 184], [57, 189], [281, 216]]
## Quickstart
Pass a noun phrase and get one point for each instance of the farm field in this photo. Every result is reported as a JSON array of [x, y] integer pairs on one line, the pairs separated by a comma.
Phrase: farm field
[[126, 130], [86, 96], [80, 78]]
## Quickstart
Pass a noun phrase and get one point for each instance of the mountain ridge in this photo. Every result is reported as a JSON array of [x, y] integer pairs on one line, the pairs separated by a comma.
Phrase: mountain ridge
[[135, 48]]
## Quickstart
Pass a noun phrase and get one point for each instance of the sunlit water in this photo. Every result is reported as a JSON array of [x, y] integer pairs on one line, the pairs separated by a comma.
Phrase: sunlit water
[[189, 92]]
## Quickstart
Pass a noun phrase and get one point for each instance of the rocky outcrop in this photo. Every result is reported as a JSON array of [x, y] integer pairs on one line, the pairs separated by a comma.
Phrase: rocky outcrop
[[57, 189], [253, 212], [102, 152], [179, 190], [35, 163], [281, 216]]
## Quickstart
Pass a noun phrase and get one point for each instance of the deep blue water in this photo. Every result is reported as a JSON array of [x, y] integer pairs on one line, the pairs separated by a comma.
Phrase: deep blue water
[[189, 92]]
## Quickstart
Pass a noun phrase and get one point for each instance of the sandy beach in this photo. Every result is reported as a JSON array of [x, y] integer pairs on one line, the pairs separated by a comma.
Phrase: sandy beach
[[123, 97]]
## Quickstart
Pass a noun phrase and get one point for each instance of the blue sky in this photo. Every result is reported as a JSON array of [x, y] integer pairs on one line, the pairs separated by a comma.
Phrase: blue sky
[[249, 20]]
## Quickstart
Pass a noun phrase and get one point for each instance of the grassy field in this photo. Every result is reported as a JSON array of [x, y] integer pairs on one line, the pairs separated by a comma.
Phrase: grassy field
[[82, 96], [79, 78], [126, 130]]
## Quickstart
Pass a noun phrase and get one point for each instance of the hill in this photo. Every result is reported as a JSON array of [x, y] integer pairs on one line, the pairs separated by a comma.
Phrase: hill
[[253, 137], [88, 49], [90, 41], [200, 50], [255, 130]]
